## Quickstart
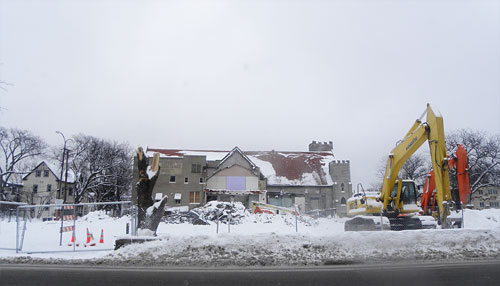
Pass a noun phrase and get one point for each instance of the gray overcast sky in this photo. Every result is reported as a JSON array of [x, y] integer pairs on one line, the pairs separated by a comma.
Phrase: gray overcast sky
[[261, 75]]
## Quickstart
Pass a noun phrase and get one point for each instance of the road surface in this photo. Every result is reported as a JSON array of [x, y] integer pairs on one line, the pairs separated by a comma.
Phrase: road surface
[[471, 273]]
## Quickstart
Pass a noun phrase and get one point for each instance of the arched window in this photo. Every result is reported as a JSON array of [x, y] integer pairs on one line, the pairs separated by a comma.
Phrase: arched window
[[342, 201], [342, 187]]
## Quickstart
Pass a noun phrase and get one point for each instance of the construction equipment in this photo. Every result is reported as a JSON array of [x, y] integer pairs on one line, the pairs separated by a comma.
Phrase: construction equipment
[[397, 199], [459, 163]]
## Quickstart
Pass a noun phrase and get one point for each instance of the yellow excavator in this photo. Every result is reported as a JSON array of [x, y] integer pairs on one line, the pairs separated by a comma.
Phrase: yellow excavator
[[395, 206]]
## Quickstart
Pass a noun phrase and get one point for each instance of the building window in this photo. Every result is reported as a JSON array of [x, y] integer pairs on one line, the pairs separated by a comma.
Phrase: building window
[[35, 189], [177, 198], [201, 180], [480, 192], [70, 191], [494, 204], [38, 173], [186, 180], [195, 168], [194, 197], [49, 187], [342, 187], [342, 201], [46, 173], [172, 179], [481, 204]]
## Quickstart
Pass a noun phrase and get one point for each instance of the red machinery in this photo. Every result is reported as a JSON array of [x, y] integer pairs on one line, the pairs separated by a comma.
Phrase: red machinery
[[459, 162]]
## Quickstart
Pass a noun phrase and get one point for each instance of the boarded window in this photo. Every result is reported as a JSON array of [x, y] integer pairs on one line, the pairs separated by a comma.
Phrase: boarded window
[[235, 183], [195, 168], [194, 197]]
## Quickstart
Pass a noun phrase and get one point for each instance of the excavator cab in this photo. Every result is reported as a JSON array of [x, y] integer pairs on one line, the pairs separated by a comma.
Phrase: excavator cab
[[403, 194]]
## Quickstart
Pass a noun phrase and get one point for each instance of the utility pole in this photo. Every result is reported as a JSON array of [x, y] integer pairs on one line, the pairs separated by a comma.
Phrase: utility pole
[[65, 154], [66, 177]]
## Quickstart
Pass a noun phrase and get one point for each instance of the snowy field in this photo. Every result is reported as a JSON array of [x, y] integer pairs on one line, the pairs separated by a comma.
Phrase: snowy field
[[257, 240]]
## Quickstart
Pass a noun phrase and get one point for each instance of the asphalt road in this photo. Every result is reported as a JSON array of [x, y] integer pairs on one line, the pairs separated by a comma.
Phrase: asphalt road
[[473, 273]]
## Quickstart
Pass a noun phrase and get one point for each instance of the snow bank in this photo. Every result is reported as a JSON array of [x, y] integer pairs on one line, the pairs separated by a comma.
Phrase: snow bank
[[303, 249]]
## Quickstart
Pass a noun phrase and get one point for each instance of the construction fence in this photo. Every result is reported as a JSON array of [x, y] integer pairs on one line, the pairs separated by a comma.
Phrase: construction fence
[[65, 227]]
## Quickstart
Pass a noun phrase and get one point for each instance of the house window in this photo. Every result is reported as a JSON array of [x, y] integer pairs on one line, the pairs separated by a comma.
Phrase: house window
[[194, 197], [177, 198], [481, 204], [494, 204], [38, 173], [201, 180], [70, 191], [195, 168], [186, 180], [480, 192], [46, 173], [49, 187], [342, 201], [172, 179], [35, 189]]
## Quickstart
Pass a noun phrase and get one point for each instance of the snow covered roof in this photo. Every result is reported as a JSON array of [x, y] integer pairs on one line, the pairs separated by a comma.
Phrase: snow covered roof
[[212, 155], [55, 168], [280, 168], [294, 168]]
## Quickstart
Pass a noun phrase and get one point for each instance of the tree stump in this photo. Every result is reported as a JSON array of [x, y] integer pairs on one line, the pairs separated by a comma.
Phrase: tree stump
[[149, 212]]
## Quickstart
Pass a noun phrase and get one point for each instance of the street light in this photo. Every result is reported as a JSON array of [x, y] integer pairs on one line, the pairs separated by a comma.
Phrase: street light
[[62, 167]]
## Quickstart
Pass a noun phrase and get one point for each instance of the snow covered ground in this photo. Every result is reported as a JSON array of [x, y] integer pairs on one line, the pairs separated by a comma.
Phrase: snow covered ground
[[258, 240]]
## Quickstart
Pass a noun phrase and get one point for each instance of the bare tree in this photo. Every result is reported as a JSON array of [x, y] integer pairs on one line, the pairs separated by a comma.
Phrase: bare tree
[[16, 148], [416, 168], [102, 169], [483, 153]]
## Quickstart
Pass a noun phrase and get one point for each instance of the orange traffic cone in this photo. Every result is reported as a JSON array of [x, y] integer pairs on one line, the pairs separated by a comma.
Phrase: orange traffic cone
[[102, 236], [72, 239], [88, 235]]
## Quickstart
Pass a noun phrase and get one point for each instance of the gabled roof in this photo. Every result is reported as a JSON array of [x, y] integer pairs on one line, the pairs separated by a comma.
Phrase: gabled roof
[[54, 169], [279, 168], [238, 150]]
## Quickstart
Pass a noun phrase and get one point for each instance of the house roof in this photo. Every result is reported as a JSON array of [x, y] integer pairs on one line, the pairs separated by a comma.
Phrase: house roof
[[55, 169], [294, 168], [212, 155], [279, 168]]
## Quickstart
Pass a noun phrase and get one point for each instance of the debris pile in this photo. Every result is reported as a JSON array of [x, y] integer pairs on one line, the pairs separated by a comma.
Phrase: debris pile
[[224, 211]]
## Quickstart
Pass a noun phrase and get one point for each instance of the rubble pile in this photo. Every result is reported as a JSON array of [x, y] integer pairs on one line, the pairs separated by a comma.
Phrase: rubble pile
[[225, 211]]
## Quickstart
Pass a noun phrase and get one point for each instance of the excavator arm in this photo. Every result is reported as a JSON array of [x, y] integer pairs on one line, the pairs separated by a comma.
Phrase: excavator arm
[[432, 131]]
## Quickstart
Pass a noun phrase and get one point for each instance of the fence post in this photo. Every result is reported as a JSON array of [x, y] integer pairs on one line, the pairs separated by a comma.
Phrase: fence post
[[381, 218], [61, 217], [217, 231], [74, 227], [17, 229]]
